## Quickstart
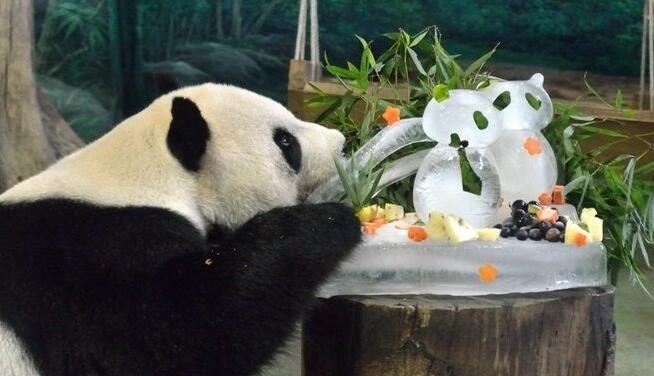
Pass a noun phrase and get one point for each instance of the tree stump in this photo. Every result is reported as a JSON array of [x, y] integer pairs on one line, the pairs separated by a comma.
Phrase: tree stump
[[567, 332]]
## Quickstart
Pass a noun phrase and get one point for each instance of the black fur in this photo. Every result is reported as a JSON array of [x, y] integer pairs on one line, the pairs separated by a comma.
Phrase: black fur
[[290, 148], [137, 291], [188, 134]]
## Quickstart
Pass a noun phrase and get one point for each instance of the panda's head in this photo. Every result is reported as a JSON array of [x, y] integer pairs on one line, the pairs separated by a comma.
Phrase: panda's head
[[245, 153], [216, 154]]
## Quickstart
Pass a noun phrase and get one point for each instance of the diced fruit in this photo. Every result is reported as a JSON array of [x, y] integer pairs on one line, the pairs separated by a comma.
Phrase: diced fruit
[[417, 233], [436, 226], [521, 234], [458, 230], [593, 224], [545, 198], [367, 213], [487, 272], [409, 220], [533, 208], [370, 228], [575, 235], [587, 213], [518, 204], [552, 235], [488, 234], [595, 228], [380, 213], [380, 221], [535, 234], [393, 212], [558, 197], [547, 214]]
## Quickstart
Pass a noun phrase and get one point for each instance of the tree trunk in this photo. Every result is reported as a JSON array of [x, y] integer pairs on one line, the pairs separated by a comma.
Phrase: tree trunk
[[30, 139], [567, 332]]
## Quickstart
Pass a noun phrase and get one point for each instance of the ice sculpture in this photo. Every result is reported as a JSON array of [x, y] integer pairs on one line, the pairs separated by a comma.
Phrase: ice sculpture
[[525, 160], [438, 184], [389, 140]]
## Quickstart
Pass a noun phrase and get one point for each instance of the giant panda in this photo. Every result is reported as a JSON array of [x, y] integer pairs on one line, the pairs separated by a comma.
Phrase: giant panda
[[177, 244]]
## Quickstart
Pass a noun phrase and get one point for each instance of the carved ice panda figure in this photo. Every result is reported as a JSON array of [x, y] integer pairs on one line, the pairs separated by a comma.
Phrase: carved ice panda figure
[[439, 182], [525, 160]]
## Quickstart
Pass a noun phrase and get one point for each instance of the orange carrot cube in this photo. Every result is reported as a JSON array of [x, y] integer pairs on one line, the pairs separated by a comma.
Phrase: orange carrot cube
[[417, 233]]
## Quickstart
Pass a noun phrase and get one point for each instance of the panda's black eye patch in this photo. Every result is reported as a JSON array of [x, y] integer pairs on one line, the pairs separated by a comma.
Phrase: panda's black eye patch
[[290, 148]]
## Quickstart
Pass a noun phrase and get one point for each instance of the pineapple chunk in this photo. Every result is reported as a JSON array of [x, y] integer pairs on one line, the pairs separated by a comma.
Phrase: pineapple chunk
[[458, 230], [409, 220], [436, 226], [596, 228], [593, 224], [575, 235], [488, 234], [587, 213], [367, 213], [393, 212]]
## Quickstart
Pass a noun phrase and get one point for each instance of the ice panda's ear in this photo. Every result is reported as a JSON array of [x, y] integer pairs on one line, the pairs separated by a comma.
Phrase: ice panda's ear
[[188, 134]]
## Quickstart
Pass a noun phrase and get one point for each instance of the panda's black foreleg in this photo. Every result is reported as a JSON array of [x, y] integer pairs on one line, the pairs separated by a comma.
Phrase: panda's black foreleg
[[255, 284]]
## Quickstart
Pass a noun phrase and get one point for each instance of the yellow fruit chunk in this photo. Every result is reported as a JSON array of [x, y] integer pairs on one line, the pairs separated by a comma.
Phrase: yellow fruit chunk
[[367, 213], [393, 212], [594, 225], [458, 230], [587, 213], [487, 273], [575, 235], [436, 226], [488, 234]]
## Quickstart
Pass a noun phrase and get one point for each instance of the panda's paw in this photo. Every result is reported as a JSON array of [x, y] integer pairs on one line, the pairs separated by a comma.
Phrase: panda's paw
[[307, 227]]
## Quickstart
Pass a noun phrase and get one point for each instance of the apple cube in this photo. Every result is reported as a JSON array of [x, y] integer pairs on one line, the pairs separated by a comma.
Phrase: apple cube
[[393, 212], [575, 235], [488, 234], [458, 230], [436, 226]]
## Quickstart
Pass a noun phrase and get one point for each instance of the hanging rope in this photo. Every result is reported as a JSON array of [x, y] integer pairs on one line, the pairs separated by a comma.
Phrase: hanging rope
[[300, 39], [647, 55]]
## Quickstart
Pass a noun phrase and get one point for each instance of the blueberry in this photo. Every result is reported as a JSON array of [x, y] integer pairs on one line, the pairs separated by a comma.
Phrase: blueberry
[[512, 228], [498, 226], [544, 226], [518, 213], [553, 234], [560, 225], [521, 235], [535, 234], [563, 220], [505, 232], [524, 228], [508, 222], [519, 204]]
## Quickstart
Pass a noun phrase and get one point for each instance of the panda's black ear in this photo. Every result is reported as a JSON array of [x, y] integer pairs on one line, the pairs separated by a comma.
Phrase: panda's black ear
[[188, 134]]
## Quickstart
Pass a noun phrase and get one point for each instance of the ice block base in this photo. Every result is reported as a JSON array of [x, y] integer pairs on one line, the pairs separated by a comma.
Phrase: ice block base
[[384, 266]]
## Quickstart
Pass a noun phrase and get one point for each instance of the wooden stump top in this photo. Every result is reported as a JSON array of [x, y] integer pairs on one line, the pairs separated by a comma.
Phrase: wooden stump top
[[567, 332]]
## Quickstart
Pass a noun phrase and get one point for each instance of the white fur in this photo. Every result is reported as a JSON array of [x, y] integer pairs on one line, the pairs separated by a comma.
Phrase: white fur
[[242, 173], [14, 360]]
